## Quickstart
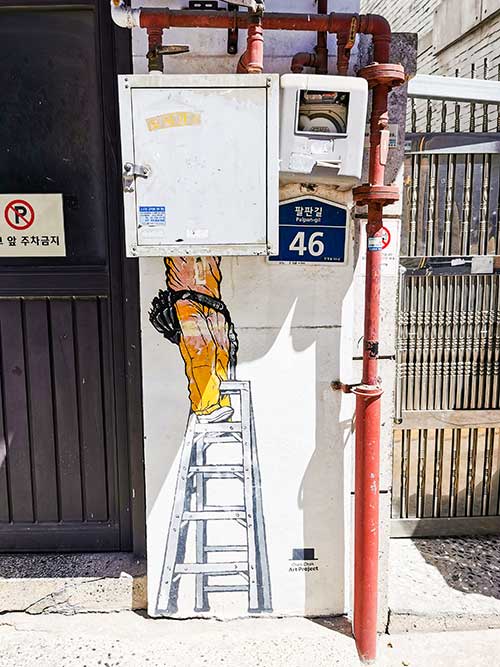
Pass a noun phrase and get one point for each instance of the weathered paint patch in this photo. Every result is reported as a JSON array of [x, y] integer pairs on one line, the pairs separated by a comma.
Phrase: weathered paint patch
[[174, 119]]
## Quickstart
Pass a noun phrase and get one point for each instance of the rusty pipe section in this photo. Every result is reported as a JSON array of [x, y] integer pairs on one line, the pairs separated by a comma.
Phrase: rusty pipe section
[[252, 60], [321, 48], [155, 59], [371, 24], [319, 57], [379, 28], [301, 60], [345, 41]]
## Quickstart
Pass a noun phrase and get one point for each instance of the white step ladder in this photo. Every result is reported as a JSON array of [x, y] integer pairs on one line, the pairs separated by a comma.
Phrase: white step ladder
[[249, 560]]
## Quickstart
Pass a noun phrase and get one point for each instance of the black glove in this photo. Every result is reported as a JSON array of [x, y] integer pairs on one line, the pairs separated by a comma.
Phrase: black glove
[[163, 316]]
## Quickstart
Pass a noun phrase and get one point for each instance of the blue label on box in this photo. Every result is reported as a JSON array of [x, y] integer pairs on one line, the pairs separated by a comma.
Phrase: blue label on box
[[311, 230], [152, 215]]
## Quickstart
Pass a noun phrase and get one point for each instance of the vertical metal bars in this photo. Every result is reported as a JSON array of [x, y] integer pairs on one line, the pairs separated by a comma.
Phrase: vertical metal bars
[[448, 343], [451, 204], [446, 473]]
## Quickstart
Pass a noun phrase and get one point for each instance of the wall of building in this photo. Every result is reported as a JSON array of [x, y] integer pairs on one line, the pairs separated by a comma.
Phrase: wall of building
[[299, 328], [476, 37]]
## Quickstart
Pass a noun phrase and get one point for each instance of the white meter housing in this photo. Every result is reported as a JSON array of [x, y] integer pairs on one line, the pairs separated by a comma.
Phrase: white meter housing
[[200, 164], [322, 130]]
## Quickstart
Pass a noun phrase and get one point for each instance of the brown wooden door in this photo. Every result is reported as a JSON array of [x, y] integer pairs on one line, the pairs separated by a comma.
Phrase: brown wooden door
[[67, 343]]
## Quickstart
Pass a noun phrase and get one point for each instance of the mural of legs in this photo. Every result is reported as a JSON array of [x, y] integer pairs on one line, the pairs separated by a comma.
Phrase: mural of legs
[[204, 346], [219, 445]]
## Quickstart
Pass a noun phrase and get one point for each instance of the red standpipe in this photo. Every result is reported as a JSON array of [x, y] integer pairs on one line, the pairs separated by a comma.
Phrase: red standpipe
[[381, 78]]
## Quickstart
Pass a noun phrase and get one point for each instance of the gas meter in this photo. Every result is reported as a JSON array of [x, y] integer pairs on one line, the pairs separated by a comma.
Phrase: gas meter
[[200, 163], [322, 128]]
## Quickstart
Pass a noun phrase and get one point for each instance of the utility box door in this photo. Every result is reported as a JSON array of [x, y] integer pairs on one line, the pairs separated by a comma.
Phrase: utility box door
[[209, 148]]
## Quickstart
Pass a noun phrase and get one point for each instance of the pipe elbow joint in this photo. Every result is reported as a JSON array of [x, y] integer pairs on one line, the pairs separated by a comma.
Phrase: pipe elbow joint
[[246, 67], [301, 60], [125, 16], [376, 25]]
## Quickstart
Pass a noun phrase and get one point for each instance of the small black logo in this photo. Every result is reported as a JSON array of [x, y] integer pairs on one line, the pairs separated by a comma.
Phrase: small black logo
[[303, 554]]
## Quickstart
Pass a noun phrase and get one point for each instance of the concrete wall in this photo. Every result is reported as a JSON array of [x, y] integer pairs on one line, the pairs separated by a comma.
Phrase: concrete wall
[[300, 327]]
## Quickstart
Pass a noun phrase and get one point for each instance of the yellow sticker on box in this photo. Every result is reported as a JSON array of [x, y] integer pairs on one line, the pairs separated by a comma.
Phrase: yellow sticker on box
[[173, 119]]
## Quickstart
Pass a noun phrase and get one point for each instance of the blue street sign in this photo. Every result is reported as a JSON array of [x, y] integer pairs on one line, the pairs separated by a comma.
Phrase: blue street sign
[[311, 230]]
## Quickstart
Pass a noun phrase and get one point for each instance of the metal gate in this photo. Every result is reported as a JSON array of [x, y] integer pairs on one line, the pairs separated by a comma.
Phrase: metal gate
[[446, 463]]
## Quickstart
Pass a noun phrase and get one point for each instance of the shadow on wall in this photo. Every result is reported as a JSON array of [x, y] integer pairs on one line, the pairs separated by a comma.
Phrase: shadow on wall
[[315, 412]]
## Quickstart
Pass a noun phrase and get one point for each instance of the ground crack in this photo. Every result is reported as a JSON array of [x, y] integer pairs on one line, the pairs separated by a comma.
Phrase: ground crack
[[60, 598]]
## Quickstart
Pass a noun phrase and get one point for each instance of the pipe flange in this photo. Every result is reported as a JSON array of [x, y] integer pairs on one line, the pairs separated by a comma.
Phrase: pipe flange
[[376, 194], [367, 390], [383, 74]]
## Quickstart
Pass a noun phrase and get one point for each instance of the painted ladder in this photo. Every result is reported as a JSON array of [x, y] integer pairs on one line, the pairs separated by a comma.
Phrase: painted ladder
[[250, 559]]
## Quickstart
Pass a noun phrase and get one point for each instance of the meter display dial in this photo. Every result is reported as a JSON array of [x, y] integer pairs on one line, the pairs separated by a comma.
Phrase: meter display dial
[[322, 112]]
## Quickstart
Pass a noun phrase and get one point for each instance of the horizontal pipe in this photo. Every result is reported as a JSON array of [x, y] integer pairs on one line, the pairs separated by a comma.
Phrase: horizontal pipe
[[331, 23], [194, 18], [370, 24]]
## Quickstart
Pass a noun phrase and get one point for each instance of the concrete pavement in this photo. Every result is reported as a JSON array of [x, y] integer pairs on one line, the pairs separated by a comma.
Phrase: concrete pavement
[[128, 639], [444, 584]]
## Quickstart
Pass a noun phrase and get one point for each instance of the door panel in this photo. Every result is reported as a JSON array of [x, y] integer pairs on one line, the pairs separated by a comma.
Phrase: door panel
[[51, 110], [65, 339]]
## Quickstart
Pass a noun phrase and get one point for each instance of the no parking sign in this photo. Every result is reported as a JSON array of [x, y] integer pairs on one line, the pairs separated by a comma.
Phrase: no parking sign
[[19, 214], [32, 226]]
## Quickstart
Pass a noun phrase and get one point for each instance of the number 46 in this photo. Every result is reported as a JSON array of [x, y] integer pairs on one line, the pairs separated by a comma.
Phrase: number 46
[[315, 247]]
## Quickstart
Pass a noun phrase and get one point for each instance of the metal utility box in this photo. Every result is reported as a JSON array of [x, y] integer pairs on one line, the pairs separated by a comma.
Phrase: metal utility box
[[200, 164], [322, 128]]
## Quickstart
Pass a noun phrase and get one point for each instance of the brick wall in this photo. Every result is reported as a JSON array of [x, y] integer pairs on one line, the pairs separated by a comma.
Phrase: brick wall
[[403, 15]]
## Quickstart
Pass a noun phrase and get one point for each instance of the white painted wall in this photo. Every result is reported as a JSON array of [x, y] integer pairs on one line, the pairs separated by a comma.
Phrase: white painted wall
[[299, 327]]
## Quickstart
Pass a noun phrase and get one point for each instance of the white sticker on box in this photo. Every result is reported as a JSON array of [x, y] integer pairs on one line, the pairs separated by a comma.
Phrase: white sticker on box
[[152, 215]]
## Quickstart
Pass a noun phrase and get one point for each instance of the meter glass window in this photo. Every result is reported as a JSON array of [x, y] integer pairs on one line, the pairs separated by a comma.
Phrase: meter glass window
[[322, 112]]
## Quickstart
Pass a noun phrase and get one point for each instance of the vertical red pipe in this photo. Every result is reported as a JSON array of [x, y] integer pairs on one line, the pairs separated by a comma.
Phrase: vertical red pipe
[[321, 49], [252, 60], [367, 465], [155, 60], [381, 78], [379, 135]]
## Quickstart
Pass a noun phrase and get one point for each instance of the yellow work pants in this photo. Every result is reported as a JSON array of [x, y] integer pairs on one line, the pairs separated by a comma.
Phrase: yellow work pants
[[204, 346]]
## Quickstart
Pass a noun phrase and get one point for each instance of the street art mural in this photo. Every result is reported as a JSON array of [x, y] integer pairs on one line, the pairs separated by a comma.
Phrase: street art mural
[[246, 446], [217, 531]]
